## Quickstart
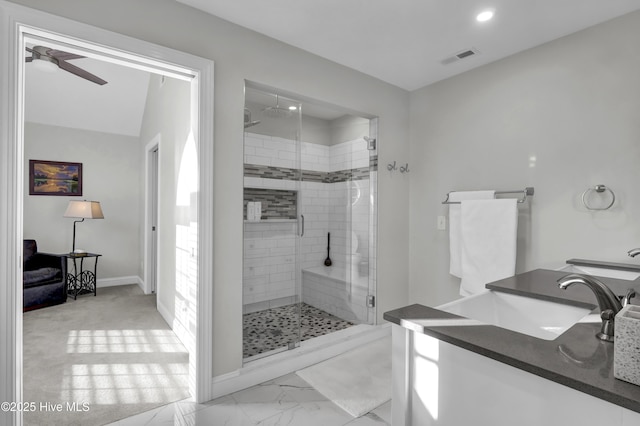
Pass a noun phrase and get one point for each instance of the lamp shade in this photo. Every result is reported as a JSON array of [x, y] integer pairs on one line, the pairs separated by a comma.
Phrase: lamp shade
[[84, 209]]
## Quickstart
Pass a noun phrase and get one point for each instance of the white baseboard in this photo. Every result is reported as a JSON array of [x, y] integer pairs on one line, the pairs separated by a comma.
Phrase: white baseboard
[[112, 282], [309, 353], [178, 329], [165, 313]]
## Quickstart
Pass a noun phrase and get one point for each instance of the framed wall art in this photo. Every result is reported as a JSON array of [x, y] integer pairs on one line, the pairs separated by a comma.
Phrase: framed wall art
[[55, 178]]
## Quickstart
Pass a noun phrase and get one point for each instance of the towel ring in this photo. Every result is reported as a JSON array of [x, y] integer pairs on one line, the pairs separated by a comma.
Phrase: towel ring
[[598, 189]]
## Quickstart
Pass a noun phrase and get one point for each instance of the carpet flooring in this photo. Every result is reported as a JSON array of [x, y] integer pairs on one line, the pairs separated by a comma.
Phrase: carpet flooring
[[275, 328], [95, 360]]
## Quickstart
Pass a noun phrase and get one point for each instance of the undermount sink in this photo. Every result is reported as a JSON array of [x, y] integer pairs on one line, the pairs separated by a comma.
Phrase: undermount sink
[[601, 272], [534, 317]]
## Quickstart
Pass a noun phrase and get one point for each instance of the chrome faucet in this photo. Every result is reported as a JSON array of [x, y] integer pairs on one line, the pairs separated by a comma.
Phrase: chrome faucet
[[631, 293], [634, 252], [607, 301]]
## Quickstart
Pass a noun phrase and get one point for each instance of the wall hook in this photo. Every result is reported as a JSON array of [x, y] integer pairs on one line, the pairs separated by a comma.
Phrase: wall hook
[[392, 167], [405, 168]]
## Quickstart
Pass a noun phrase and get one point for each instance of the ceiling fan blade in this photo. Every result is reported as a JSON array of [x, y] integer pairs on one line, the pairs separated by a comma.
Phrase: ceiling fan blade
[[80, 72], [63, 56], [33, 53]]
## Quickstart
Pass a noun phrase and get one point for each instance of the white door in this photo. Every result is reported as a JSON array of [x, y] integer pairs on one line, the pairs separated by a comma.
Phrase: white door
[[153, 218]]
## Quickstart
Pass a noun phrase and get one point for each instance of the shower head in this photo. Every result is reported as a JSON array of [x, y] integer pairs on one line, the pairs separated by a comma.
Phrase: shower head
[[251, 123], [277, 111], [371, 142], [247, 119]]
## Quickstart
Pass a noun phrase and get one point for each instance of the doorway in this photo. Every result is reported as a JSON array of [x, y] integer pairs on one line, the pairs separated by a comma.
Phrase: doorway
[[18, 24], [112, 173], [151, 230]]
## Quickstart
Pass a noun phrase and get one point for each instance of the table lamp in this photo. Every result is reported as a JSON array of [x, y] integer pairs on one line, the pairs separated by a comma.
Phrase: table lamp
[[82, 210]]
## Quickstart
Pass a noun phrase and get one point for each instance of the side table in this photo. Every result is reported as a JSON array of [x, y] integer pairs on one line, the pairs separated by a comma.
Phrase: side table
[[81, 281]]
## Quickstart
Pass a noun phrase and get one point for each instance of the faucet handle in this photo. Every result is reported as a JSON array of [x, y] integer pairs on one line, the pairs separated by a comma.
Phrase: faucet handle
[[607, 330], [607, 315], [631, 293], [634, 252]]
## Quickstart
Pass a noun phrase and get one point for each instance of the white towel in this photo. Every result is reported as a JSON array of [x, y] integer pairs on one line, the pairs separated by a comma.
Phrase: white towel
[[489, 231], [455, 259]]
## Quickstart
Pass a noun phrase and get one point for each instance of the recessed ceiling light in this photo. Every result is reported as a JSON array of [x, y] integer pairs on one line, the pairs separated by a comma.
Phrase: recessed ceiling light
[[485, 16]]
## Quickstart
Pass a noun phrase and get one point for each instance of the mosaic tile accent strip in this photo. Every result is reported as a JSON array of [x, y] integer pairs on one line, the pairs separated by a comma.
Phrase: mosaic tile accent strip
[[313, 176], [274, 328], [271, 172], [347, 175], [276, 203], [373, 163]]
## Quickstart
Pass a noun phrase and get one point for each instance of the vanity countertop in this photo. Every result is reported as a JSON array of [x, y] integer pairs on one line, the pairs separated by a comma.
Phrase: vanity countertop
[[576, 359]]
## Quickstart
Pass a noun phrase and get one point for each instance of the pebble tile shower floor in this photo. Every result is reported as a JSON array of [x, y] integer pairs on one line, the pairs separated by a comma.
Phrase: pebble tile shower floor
[[274, 328]]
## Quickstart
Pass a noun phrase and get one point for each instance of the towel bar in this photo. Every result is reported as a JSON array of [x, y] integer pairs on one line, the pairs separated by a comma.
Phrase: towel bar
[[527, 192]]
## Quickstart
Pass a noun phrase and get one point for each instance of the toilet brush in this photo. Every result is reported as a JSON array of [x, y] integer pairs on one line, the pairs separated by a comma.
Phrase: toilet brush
[[327, 261]]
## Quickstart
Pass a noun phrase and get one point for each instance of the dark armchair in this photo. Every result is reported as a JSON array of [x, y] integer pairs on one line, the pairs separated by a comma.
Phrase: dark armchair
[[44, 277]]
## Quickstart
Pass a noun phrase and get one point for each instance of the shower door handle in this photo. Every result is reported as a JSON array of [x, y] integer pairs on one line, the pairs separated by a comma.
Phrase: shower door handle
[[302, 232]]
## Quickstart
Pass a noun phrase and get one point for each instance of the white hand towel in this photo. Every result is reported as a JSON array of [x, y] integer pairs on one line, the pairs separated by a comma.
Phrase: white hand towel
[[455, 259], [488, 230]]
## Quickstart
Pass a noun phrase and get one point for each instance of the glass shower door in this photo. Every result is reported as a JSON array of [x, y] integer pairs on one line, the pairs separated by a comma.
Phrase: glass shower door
[[359, 231], [272, 224], [337, 287], [309, 258]]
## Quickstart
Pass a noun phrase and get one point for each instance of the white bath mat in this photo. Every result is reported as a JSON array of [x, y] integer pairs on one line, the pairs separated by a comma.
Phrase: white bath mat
[[358, 381]]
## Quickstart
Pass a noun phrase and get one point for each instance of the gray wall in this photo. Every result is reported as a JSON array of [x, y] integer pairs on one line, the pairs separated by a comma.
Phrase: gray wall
[[574, 105], [313, 129], [167, 115], [287, 127], [240, 54], [348, 128], [111, 171]]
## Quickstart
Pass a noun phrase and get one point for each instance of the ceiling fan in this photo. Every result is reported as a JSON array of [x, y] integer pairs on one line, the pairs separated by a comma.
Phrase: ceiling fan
[[60, 58]]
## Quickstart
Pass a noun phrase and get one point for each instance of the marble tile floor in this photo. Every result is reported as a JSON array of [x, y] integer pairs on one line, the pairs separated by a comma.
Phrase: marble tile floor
[[275, 328], [287, 400]]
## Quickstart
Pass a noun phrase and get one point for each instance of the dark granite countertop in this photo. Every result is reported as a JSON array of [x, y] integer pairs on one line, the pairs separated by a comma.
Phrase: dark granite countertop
[[576, 358]]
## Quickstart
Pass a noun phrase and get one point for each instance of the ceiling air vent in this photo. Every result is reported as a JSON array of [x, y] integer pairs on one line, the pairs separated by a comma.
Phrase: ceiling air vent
[[460, 55]]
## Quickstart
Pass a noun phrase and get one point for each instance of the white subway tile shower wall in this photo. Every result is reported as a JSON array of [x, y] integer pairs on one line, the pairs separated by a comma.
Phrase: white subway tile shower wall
[[269, 261], [336, 294], [279, 152], [327, 207]]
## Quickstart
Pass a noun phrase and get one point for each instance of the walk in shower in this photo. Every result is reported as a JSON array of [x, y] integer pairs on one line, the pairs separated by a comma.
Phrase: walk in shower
[[310, 173]]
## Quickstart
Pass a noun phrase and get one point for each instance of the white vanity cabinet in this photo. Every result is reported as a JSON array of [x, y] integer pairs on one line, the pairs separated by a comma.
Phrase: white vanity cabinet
[[438, 383]]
